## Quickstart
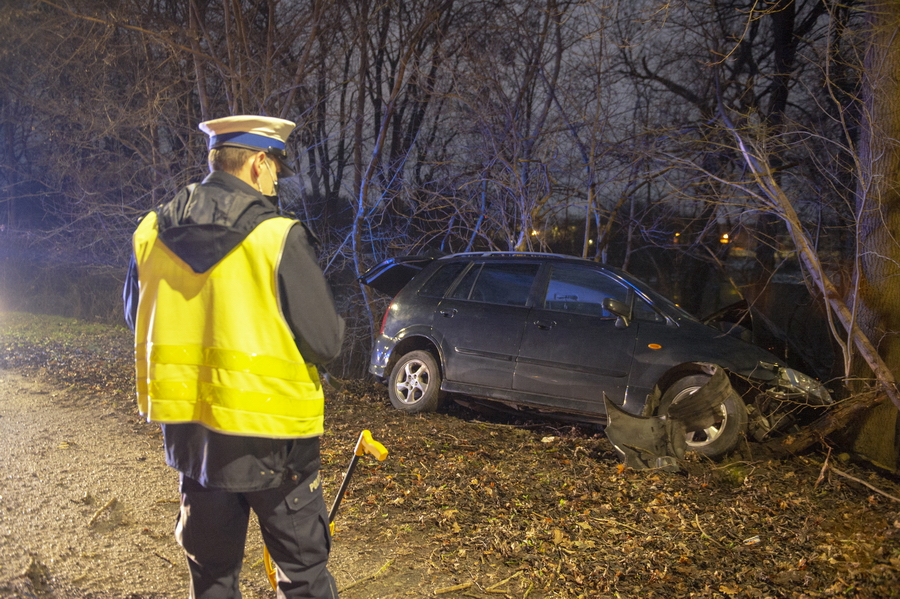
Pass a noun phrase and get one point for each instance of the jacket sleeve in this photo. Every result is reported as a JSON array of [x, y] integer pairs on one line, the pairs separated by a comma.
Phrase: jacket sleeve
[[306, 301], [130, 294]]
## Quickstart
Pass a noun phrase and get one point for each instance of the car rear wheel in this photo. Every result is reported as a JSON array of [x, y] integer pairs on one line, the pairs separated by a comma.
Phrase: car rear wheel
[[415, 383], [728, 429]]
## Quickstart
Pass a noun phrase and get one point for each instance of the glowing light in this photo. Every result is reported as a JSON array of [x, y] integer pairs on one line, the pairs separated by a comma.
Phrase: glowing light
[[724, 238], [534, 232]]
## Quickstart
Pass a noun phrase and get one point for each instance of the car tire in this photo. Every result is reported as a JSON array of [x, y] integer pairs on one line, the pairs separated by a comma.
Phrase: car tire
[[721, 437], [415, 383]]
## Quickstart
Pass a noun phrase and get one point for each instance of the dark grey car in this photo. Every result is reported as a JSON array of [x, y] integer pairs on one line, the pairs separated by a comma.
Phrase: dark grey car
[[554, 333]]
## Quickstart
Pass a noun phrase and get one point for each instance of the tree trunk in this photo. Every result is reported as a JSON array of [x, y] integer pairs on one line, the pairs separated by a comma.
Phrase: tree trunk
[[878, 215]]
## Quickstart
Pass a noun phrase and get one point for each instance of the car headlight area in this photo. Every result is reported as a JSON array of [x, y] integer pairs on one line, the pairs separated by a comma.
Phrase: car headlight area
[[792, 383]]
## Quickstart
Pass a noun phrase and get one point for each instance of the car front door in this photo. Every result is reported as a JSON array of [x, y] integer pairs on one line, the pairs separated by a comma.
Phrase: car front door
[[480, 323], [572, 350]]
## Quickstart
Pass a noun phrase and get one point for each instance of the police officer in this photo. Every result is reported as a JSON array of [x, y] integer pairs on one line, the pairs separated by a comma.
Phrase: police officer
[[231, 313]]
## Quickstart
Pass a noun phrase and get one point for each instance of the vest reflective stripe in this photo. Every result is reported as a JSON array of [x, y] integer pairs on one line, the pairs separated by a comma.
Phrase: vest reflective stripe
[[224, 409], [222, 358], [234, 368]]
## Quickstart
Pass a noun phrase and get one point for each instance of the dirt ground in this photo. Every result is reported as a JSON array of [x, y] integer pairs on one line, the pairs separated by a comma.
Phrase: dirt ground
[[467, 504], [88, 504]]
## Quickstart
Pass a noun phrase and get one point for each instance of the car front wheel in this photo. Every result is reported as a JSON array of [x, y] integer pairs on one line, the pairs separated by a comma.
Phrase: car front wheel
[[415, 383], [725, 433]]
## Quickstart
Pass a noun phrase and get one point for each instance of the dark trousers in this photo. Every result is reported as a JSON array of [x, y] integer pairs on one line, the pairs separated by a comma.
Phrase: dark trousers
[[212, 529]]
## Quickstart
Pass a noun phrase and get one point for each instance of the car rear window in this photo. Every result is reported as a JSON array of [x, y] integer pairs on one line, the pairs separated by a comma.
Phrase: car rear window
[[507, 284], [441, 279]]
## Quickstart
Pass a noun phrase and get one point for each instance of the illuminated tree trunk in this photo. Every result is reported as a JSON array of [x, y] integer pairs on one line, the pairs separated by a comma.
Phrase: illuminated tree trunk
[[878, 217]]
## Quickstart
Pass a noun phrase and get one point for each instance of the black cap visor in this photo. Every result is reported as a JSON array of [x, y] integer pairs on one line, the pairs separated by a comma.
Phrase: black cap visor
[[280, 156]]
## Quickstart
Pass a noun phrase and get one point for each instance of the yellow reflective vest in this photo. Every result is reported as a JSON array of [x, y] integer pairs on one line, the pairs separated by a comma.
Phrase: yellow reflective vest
[[214, 347]]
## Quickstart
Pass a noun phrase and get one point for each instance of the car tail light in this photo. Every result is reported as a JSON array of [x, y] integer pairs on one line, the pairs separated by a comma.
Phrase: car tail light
[[384, 318]]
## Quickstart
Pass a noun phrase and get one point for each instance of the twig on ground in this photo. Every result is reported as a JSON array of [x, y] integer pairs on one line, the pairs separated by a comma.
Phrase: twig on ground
[[498, 425], [456, 587], [454, 438], [491, 588], [622, 524], [375, 574], [823, 470], [864, 483], [164, 558], [98, 513], [703, 532]]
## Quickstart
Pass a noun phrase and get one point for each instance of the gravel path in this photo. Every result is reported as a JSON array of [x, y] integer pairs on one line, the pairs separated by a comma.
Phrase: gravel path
[[88, 508], [83, 501]]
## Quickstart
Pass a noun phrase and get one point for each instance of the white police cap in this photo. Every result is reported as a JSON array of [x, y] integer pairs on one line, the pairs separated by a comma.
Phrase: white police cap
[[265, 133]]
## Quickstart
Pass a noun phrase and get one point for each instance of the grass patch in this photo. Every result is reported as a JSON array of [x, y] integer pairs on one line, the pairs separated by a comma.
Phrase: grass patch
[[42, 328]]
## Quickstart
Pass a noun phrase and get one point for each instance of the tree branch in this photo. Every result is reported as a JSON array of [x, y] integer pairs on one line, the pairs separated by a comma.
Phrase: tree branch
[[772, 191]]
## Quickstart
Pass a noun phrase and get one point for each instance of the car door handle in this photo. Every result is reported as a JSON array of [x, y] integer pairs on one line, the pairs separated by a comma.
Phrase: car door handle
[[448, 313], [545, 324]]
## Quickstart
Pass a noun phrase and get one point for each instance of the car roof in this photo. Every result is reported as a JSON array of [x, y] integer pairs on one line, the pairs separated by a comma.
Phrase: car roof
[[507, 254], [391, 275], [514, 255]]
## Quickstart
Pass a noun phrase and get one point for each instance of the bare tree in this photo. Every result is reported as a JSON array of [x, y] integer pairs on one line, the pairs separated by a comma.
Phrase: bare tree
[[768, 136], [637, 133]]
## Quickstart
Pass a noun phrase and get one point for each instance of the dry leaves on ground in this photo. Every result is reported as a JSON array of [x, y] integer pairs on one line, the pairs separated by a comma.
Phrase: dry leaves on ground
[[496, 507]]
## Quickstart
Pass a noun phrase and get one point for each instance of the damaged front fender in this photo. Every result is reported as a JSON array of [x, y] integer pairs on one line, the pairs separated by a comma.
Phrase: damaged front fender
[[660, 440], [645, 442]]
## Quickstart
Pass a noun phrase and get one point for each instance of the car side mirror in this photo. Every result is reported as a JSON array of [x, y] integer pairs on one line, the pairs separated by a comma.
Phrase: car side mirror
[[621, 311]]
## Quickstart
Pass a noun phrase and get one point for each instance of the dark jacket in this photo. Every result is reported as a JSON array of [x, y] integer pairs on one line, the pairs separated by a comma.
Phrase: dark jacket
[[201, 226]]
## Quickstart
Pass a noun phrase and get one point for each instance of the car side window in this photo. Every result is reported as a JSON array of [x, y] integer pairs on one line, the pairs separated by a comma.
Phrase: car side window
[[441, 279], [582, 291], [507, 284], [643, 311]]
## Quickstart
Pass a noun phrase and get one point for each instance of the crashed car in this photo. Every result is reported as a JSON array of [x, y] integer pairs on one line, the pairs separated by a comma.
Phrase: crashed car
[[557, 335]]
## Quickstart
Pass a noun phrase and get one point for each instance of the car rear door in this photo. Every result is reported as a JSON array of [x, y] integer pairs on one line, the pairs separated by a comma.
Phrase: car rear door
[[480, 322], [571, 350]]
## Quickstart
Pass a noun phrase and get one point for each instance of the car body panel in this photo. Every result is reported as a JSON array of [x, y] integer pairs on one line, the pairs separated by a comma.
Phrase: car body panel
[[385, 346], [480, 341], [568, 357], [659, 346]]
